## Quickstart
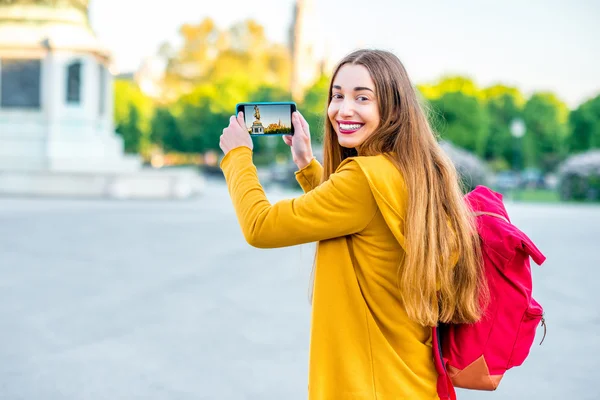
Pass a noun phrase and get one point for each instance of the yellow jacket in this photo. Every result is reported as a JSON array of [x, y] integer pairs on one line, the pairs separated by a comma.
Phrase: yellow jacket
[[363, 345]]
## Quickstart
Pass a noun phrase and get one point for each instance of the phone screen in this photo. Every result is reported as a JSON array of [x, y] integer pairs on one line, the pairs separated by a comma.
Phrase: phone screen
[[268, 118]]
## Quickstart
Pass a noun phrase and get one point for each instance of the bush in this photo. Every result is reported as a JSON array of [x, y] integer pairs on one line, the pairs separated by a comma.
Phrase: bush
[[579, 177], [472, 170]]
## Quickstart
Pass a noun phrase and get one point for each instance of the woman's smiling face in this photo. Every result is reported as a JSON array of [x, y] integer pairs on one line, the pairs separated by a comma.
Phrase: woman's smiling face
[[353, 110]]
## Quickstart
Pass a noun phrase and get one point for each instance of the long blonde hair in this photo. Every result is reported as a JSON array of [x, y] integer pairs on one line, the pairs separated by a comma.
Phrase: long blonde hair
[[440, 228]]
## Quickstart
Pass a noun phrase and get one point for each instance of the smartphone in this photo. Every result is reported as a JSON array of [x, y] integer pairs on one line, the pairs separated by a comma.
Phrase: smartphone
[[268, 118]]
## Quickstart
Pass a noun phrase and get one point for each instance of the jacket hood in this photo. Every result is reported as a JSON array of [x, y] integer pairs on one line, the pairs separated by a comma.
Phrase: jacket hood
[[389, 190], [391, 194]]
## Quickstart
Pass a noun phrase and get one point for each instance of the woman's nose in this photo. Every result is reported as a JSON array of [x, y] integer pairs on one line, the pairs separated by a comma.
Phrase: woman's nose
[[346, 109]]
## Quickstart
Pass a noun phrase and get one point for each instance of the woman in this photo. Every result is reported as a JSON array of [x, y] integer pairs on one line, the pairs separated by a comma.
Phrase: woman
[[397, 248]]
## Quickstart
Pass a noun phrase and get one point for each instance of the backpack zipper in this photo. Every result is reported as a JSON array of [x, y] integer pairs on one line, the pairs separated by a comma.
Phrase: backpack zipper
[[544, 325]]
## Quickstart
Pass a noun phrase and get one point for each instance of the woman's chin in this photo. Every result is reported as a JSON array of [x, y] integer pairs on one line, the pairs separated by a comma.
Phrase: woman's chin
[[347, 142]]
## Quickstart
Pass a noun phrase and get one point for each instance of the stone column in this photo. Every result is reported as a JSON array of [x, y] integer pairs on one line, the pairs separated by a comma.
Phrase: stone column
[[50, 105], [109, 100]]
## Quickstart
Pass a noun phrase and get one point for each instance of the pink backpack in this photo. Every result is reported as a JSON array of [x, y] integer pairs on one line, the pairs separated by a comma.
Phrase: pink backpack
[[476, 356]]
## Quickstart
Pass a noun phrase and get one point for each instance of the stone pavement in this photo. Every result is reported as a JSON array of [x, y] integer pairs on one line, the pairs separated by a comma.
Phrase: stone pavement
[[164, 300]]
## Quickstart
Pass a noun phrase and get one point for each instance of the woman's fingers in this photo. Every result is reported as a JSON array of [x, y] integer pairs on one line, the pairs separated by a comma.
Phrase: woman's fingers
[[287, 139], [297, 122], [240, 119], [304, 124], [235, 135]]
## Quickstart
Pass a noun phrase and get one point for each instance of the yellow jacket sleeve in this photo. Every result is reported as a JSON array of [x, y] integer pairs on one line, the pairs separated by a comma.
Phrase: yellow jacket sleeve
[[310, 176], [341, 206]]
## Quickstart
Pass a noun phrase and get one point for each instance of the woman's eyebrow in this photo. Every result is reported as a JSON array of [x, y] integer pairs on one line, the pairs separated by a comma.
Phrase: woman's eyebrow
[[356, 89]]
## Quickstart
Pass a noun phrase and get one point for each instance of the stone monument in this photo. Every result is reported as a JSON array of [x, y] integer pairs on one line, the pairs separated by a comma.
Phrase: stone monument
[[56, 110], [257, 126]]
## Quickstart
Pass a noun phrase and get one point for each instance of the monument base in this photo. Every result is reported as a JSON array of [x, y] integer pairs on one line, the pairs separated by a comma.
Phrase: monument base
[[257, 128], [146, 183]]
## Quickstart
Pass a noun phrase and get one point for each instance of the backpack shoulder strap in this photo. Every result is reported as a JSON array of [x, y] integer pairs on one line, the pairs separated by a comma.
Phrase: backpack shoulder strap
[[491, 214], [444, 386]]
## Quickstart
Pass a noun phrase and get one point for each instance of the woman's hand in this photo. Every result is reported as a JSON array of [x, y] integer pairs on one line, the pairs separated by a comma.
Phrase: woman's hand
[[235, 135], [300, 141]]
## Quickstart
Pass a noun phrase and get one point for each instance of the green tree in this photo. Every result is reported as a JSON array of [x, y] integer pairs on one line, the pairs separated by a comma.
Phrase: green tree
[[584, 124], [504, 105], [132, 113], [498, 90], [242, 53], [212, 71], [544, 143], [462, 120], [270, 93], [165, 131], [201, 119], [190, 63], [129, 129], [203, 113], [314, 107], [450, 84]]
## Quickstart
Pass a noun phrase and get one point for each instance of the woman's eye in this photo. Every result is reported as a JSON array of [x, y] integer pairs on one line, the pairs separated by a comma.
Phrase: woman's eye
[[362, 98], [336, 96]]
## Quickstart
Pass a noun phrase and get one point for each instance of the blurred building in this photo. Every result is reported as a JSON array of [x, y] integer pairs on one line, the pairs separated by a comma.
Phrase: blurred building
[[148, 76], [56, 108], [305, 68], [308, 63]]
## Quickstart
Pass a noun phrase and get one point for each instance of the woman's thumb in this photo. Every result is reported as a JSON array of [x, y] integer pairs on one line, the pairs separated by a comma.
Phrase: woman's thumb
[[241, 120]]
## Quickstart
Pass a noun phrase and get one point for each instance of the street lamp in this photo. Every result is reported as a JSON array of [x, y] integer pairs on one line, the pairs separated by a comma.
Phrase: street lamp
[[517, 127], [517, 130]]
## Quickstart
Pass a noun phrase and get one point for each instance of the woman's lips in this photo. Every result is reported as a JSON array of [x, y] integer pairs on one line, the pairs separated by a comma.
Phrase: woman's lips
[[349, 127]]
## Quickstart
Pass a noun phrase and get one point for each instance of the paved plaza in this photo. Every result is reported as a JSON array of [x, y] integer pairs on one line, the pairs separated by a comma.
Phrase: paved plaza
[[164, 300]]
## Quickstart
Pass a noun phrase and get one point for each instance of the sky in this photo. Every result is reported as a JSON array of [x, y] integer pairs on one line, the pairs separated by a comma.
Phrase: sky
[[535, 45]]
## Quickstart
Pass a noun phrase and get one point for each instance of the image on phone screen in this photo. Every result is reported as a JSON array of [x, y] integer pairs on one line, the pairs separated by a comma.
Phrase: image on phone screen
[[268, 119]]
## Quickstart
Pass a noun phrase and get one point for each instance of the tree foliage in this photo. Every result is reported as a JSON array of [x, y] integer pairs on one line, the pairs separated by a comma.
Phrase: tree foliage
[[214, 69], [241, 54], [462, 120], [314, 107], [451, 84], [504, 105], [584, 124], [544, 144], [132, 113]]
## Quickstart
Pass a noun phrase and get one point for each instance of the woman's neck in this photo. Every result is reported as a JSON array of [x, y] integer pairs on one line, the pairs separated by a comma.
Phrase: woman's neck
[[346, 152]]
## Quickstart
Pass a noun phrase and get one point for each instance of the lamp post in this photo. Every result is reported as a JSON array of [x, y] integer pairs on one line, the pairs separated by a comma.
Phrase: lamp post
[[517, 130]]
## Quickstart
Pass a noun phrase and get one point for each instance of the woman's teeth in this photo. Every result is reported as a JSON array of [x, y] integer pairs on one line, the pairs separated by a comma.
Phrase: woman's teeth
[[350, 127]]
